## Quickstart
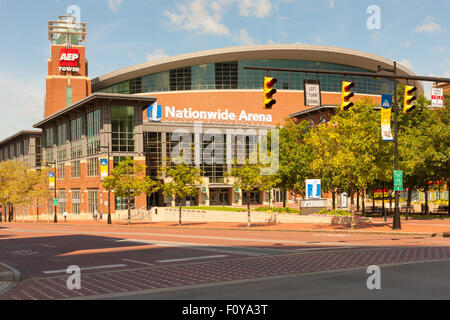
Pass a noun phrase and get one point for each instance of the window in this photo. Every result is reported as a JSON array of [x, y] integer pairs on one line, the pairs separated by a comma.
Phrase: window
[[61, 201], [75, 169], [92, 167], [214, 153], [226, 75], [38, 151], [92, 200], [61, 171], [180, 145], [49, 156], [76, 150], [26, 147], [93, 131], [61, 142], [180, 79], [76, 200], [117, 160], [122, 121], [153, 153], [122, 203], [68, 96]]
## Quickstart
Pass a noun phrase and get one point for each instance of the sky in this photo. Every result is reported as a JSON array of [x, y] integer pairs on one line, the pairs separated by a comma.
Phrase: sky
[[123, 33]]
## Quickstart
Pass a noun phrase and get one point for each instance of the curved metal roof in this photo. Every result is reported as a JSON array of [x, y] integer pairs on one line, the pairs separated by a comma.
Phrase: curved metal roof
[[335, 55]]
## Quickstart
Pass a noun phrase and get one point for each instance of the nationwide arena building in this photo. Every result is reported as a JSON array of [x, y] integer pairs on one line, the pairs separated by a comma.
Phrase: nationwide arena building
[[140, 111]]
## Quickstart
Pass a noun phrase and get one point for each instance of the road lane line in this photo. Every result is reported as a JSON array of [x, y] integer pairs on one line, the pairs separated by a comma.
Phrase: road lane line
[[194, 258], [47, 246], [139, 262], [323, 248], [87, 268]]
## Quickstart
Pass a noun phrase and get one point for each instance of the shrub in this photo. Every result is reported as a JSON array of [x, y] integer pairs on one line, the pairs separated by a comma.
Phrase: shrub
[[279, 210], [334, 213]]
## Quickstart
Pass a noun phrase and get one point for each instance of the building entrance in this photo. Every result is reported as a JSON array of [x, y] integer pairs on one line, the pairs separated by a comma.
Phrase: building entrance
[[219, 197]]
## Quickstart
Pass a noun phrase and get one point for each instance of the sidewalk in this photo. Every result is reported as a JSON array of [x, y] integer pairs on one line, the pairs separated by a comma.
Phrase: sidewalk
[[437, 227]]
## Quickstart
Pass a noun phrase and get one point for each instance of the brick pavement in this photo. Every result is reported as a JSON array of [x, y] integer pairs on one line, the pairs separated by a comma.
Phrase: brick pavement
[[112, 282]]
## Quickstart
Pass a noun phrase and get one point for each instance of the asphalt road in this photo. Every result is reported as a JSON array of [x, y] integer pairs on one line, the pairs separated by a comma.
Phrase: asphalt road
[[424, 281], [151, 263]]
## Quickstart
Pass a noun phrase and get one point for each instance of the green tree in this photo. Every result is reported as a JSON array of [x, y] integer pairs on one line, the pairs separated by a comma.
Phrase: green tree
[[184, 181], [295, 156], [128, 180], [248, 177]]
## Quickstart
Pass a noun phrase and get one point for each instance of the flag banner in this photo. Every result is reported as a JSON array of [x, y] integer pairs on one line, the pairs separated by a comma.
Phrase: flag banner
[[103, 168], [386, 108], [51, 180]]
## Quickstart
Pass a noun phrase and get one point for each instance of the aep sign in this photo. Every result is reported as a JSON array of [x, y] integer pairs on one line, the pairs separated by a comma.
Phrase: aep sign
[[69, 60]]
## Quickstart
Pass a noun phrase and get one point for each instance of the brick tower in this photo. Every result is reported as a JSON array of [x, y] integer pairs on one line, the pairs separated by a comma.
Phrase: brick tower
[[67, 80]]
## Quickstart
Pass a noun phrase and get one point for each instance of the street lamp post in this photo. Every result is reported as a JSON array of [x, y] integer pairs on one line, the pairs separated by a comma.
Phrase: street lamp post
[[109, 191]]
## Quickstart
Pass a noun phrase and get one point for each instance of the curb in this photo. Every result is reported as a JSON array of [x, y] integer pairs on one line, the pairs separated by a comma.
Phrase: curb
[[10, 279], [393, 233], [12, 275]]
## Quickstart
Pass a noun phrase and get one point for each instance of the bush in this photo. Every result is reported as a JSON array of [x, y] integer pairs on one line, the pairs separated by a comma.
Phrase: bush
[[334, 213], [279, 210]]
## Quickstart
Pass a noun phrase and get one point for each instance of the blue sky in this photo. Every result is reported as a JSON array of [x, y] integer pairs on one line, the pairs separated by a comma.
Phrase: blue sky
[[122, 33]]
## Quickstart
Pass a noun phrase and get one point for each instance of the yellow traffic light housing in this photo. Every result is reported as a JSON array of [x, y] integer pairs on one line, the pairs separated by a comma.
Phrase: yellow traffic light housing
[[347, 95], [410, 97], [269, 91]]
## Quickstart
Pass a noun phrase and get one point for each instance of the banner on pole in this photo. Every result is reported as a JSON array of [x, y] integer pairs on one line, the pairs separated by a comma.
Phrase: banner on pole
[[386, 108], [103, 168], [51, 180]]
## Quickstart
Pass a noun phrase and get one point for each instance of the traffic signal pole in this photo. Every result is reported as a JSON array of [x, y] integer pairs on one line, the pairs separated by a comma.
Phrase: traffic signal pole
[[396, 225]]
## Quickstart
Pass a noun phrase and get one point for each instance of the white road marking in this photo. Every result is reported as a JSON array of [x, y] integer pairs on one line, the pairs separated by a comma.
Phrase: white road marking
[[194, 258], [47, 246], [87, 268], [139, 262], [195, 246], [322, 248]]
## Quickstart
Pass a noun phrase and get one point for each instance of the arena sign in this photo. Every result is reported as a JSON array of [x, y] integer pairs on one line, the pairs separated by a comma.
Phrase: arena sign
[[220, 115], [68, 60]]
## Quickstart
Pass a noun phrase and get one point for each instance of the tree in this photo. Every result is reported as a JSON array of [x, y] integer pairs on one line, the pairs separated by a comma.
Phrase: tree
[[248, 177], [184, 181], [295, 157], [358, 149], [128, 180]]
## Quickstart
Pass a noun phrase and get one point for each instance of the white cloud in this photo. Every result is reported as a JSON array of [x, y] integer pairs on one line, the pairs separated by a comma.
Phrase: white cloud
[[156, 54], [406, 45], [427, 26], [257, 8], [114, 5], [331, 3], [244, 38], [199, 16], [407, 64], [21, 103]]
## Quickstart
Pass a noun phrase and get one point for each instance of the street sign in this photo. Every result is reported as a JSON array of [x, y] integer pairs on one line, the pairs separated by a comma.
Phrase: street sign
[[312, 93], [437, 97], [55, 201], [398, 180]]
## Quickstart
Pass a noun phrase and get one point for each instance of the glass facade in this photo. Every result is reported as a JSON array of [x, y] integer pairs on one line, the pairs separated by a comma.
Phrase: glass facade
[[93, 131], [153, 153], [76, 149], [122, 121], [231, 75]]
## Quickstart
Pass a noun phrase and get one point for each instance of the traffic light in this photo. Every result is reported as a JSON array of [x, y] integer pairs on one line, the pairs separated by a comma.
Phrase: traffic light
[[410, 97], [269, 91], [347, 95]]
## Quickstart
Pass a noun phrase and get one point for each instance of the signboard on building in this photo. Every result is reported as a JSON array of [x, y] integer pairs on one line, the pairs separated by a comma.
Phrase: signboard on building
[[312, 93], [154, 112], [68, 60], [313, 189], [437, 97], [103, 168]]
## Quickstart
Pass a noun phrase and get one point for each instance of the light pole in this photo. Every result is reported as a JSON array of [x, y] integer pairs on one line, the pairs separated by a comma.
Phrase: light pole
[[109, 191], [55, 218]]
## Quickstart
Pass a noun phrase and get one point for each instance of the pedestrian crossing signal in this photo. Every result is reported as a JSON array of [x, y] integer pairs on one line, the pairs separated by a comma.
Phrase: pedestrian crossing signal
[[347, 95], [269, 91]]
